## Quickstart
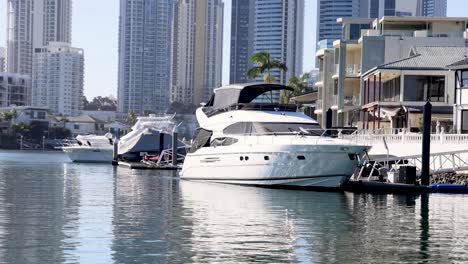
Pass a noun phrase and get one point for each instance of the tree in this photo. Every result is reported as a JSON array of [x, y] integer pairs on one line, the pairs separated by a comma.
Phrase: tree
[[131, 118], [299, 84], [100, 103], [181, 108], [9, 115], [263, 66]]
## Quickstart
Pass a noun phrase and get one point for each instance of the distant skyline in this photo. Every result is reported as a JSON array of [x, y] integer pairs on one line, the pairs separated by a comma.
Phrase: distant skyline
[[95, 29]]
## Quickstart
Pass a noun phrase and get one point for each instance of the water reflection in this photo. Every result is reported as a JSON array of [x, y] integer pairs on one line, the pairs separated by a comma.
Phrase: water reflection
[[70, 213], [38, 213], [144, 207]]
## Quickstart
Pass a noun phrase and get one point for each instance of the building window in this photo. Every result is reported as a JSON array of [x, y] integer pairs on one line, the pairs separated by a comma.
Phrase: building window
[[391, 90], [423, 88], [464, 121], [76, 127]]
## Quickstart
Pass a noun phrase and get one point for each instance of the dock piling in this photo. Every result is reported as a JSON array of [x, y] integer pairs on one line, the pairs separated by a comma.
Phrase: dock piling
[[426, 144], [115, 152], [328, 121], [174, 147]]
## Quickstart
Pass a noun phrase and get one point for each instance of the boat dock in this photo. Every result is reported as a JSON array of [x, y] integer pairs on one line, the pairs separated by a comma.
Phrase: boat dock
[[147, 166]]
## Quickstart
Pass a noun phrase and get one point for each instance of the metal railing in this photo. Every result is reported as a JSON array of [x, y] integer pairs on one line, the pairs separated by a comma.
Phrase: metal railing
[[353, 69], [337, 69], [444, 162], [319, 104], [351, 101], [335, 99], [371, 137], [320, 77]]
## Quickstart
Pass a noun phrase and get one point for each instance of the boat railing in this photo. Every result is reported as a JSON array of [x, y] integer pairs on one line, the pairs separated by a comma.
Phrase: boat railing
[[278, 137]]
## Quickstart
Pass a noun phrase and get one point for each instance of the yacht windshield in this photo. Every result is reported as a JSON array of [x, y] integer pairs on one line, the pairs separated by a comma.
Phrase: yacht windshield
[[274, 128]]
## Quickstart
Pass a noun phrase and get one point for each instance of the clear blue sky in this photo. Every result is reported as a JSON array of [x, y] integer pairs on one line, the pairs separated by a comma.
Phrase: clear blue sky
[[95, 29]]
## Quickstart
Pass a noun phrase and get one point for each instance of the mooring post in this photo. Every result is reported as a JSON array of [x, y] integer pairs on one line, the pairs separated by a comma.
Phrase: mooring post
[[174, 146], [115, 152], [426, 144], [328, 121]]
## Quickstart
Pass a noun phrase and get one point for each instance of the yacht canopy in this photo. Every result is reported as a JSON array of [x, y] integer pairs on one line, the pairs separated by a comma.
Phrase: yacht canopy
[[241, 94]]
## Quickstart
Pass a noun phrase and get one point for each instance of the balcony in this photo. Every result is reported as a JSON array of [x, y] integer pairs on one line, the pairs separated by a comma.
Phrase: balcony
[[337, 70], [319, 104], [334, 102], [351, 101], [353, 69], [325, 44], [320, 77], [429, 34]]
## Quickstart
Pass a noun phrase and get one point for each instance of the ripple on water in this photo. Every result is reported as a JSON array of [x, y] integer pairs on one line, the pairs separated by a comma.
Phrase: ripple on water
[[88, 213]]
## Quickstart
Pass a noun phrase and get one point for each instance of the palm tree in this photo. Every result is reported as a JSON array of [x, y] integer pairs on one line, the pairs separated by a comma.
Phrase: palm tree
[[263, 66], [299, 84]]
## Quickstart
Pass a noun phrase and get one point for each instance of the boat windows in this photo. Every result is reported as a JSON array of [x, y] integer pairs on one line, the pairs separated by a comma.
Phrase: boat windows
[[225, 141], [201, 139], [273, 128], [301, 157]]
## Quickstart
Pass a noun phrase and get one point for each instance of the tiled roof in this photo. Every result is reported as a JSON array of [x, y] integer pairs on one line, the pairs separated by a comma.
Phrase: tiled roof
[[83, 119], [462, 62], [433, 58]]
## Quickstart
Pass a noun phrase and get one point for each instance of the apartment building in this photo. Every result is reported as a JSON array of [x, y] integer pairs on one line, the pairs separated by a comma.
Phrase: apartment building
[[58, 77], [196, 50], [33, 24], [2, 60], [14, 89], [144, 55]]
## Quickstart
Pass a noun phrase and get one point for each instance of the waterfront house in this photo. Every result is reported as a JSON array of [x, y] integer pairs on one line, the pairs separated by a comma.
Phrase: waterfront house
[[460, 69], [366, 44], [395, 93], [85, 125], [324, 84], [306, 103]]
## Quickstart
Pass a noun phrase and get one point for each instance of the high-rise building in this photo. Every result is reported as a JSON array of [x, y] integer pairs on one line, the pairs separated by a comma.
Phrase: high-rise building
[[434, 8], [144, 55], [57, 80], [197, 50], [279, 30], [14, 89], [329, 11], [33, 24], [2, 60], [380, 8], [242, 36]]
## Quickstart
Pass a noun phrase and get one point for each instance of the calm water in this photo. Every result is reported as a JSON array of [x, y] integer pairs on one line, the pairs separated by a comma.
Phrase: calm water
[[52, 211]]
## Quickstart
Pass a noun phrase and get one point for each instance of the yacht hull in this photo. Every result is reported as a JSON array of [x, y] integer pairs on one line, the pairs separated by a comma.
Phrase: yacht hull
[[319, 166], [89, 155]]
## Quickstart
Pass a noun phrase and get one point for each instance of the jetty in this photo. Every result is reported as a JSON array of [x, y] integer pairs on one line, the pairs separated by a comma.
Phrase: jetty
[[410, 174]]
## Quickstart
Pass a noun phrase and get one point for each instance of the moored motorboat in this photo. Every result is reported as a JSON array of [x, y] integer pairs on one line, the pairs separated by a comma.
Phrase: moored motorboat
[[91, 148], [150, 135], [241, 141]]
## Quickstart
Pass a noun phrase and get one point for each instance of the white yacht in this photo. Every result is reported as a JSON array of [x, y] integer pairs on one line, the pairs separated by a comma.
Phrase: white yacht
[[243, 141], [91, 148]]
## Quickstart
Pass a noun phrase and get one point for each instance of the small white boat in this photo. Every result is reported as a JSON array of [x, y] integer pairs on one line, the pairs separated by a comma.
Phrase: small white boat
[[91, 148], [243, 142]]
